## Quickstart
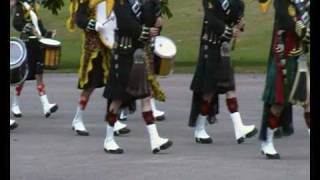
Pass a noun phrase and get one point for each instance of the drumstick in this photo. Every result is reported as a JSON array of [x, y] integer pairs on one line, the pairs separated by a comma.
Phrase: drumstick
[[33, 16]]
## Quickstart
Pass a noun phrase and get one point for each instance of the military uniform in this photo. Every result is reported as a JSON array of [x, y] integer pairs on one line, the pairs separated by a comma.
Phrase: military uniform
[[207, 77], [289, 38], [30, 34], [131, 35], [214, 73], [131, 77], [94, 61], [95, 58]]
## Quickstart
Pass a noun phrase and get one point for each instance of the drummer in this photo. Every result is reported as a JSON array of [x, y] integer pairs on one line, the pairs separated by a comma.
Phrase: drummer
[[22, 22], [94, 62]]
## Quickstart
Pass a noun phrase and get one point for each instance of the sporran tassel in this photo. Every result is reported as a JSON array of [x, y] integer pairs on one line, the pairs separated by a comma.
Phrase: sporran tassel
[[138, 82], [300, 93]]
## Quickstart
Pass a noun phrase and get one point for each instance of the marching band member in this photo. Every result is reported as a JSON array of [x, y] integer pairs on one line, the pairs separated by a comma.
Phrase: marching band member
[[214, 74], [155, 19], [23, 23], [287, 79], [130, 76], [94, 61]]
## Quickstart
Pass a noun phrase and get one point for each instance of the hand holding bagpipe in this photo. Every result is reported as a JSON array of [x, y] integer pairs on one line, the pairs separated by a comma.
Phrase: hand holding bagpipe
[[236, 32]]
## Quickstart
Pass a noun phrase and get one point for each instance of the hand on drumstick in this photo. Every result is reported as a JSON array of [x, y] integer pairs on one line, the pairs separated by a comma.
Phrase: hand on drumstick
[[154, 31]]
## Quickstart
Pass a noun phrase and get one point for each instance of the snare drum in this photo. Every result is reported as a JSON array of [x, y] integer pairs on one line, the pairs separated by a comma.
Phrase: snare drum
[[51, 52], [18, 63], [165, 51]]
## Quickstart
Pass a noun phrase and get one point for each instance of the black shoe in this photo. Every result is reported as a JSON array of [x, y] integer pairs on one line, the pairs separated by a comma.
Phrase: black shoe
[[122, 131], [163, 147], [271, 156], [287, 131], [277, 134], [48, 114], [13, 126], [204, 140], [240, 140], [117, 151], [17, 115], [81, 133], [252, 133], [54, 108], [213, 120], [160, 118]]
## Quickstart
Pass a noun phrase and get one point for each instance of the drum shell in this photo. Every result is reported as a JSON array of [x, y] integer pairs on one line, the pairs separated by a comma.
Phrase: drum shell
[[164, 54], [163, 66], [51, 55], [19, 74]]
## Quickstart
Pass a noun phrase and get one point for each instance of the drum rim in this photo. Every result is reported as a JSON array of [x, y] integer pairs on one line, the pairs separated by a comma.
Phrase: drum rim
[[22, 58], [22, 80], [167, 39], [42, 41]]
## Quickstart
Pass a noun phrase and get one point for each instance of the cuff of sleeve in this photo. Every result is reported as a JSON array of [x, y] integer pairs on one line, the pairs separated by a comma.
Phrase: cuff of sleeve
[[91, 25], [144, 33]]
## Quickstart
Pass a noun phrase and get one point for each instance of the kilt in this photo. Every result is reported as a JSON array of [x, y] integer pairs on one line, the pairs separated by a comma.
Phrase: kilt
[[119, 77], [34, 58], [94, 62], [213, 74]]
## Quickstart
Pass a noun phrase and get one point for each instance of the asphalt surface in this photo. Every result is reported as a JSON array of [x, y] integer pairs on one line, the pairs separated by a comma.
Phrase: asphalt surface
[[47, 149]]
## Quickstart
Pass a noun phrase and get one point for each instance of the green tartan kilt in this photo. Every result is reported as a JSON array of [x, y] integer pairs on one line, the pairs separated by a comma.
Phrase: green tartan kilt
[[270, 86]]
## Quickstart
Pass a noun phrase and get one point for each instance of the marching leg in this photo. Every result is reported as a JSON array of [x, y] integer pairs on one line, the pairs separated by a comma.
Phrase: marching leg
[[159, 115], [241, 131], [77, 123], [15, 102], [267, 147], [200, 133], [110, 145], [47, 107], [157, 143]]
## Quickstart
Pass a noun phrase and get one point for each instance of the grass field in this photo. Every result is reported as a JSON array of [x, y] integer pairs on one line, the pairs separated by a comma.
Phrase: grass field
[[184, 28]]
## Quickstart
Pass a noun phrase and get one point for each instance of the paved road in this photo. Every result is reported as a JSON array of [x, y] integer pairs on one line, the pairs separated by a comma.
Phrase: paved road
[[47, 149]]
